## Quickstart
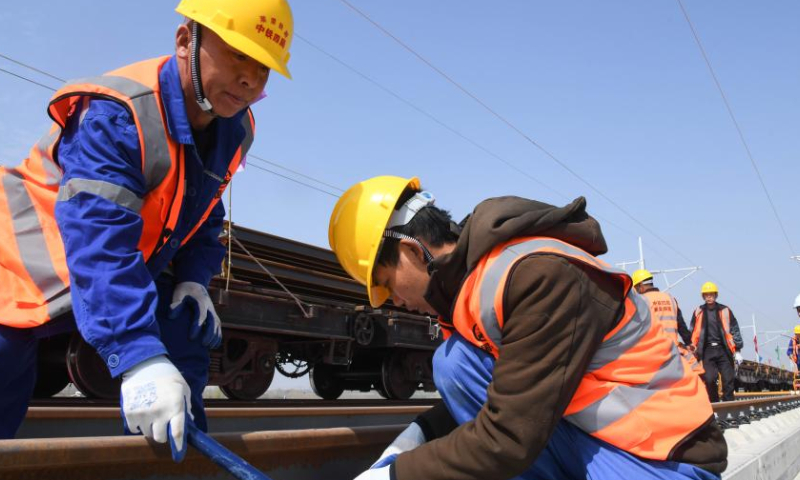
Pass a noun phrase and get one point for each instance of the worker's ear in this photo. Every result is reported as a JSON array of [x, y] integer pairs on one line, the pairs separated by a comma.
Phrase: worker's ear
[[414, 251], [183, 41]]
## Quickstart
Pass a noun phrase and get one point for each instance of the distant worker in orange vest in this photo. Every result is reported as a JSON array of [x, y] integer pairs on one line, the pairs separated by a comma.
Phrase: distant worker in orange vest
[[552, 367], [794, 347], [794, 343], [717, 341], [112, 223], [664, 308]]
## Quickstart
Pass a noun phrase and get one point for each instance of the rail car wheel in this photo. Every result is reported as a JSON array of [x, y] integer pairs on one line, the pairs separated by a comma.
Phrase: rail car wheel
[[325, 383], [381, 391], [88, 371], [396, 382], [250, 386], [51, 367]]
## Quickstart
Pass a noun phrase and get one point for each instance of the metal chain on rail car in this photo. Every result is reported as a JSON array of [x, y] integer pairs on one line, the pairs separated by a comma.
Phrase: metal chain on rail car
[[232, 238]]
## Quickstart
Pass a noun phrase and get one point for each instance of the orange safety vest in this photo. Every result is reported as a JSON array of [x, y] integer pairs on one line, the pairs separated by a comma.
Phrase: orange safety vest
[[33, 268], [725, 316], [637, 394], [664, 310], [795, 346]]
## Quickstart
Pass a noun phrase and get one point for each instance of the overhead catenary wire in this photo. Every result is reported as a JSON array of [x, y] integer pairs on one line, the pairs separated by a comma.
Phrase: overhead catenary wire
[[729, 109], [22, 77], [300, 174], [513, 127], [429, 115], [29, 67], [451, 129], [530, 140]]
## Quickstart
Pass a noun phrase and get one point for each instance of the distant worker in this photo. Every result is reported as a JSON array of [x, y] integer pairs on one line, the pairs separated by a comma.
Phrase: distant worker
[[112, 223], [664, 308], [717, 341], [552, 366], [794, 343], [794, 347]]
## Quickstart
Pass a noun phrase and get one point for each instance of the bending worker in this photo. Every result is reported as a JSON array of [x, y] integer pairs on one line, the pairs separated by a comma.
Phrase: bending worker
[[126, 183], [717, 341], [551, 369], [664, 309]]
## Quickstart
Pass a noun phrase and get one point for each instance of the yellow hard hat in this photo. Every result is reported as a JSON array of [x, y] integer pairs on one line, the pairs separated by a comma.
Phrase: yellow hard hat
[[709, 287], [640, 276], [797, 329], [261, 29], [355, 231]]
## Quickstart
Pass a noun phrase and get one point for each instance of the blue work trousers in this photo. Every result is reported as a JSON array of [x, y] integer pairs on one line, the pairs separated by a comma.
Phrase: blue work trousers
[[19, 348], [462, 374]]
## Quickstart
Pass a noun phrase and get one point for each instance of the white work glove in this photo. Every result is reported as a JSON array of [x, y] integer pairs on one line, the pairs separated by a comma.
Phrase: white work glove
[[376, 474], [738, 357], [156, 401], [191, 298], [409, 439]]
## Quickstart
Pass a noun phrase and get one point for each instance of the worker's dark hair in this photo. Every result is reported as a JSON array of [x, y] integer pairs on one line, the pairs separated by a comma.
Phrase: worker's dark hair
[[431, 225]]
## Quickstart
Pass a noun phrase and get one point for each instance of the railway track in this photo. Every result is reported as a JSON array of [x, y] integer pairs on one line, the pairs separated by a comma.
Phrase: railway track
[[263, 402], [93, 420], [294, 452]]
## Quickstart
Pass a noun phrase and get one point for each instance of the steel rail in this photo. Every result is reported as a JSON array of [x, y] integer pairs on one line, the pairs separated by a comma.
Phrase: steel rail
[[100, 458], [94, 412], [740, 412]]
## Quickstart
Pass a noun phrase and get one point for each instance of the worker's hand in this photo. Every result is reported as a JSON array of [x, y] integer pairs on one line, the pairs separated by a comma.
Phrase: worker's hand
[[738, 357], [409, 439], [156, 402], [382, 473], [191, 298]]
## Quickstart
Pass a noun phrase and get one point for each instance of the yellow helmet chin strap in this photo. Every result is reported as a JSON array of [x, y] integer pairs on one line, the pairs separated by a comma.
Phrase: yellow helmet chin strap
[[202, 101]]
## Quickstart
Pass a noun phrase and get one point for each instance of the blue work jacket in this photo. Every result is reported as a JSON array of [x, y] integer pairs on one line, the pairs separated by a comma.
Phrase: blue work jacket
[[113, 291]]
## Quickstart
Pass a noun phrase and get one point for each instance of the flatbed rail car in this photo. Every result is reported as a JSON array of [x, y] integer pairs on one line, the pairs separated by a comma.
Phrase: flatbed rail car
[[343, 344], [757, 377]]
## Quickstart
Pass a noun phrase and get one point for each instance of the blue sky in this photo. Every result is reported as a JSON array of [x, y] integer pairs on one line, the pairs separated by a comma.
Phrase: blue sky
[[616, 90]]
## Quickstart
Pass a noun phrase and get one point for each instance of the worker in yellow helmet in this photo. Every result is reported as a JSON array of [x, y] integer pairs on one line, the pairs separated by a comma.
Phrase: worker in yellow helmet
[[663, 306], [126, 183], [551, 368], [794, 343], [793, 351], [717, 341], [664, 309]]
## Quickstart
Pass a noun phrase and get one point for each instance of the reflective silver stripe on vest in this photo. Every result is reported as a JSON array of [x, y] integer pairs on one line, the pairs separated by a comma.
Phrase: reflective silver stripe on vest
[[59, 305], [156, 160], [30, 237], [626, 337], [489, 286], [52, 172], [623, 399], [510, 254], [248, 133], [113, 193]]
